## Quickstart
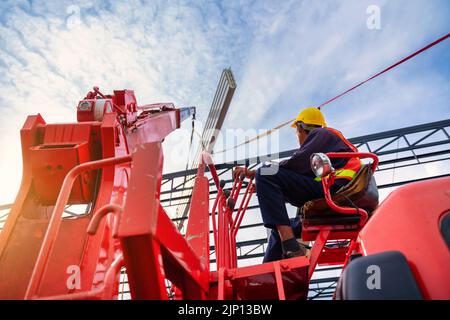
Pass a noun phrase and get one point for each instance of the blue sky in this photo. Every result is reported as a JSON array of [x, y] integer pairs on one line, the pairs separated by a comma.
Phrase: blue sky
[[285, 55]]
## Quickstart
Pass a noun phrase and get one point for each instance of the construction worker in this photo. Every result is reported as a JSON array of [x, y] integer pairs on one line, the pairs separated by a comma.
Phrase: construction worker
[[293, 181]]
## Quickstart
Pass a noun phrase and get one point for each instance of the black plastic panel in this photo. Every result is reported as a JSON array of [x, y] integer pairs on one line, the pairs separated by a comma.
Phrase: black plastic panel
[[382, 276], [445, 228]]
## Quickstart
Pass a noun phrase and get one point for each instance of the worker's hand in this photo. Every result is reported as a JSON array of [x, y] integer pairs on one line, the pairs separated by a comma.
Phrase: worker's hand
[[239, 170]]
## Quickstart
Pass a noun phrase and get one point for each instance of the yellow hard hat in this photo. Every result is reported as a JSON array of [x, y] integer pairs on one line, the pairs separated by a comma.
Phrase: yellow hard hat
[[310, 115]]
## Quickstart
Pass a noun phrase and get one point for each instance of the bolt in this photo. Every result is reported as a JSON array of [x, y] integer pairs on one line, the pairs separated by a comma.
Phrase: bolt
[[284, 266], [231, 203], [228, 274], [226, 193]]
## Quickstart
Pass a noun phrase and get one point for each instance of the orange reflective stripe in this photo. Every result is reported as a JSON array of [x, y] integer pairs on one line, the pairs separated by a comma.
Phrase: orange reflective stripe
[[342, 174], [340, 135], [348, 174], [353, 164]]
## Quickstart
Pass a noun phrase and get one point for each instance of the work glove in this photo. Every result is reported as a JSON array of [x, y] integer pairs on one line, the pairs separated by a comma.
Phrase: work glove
[[242, 170]]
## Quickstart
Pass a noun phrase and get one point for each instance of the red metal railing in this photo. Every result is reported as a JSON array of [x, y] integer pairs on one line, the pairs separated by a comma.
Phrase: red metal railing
[[226, 225], [325, 231], [56, 218], [102, 212], [328, 181], [103, 292]]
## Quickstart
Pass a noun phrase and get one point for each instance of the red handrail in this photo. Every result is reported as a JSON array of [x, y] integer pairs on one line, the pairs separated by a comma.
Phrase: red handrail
[[328, 181], [356, 155], [250, 189], [213, 217], [104, 291], [206, 159], [225, 227], [100, 213], [55, 220]]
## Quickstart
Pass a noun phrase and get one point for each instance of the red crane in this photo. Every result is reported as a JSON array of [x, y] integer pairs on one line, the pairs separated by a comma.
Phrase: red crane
[[111, 160]]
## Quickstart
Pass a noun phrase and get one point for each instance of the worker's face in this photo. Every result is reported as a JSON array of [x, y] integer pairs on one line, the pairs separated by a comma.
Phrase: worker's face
[[301, 135]]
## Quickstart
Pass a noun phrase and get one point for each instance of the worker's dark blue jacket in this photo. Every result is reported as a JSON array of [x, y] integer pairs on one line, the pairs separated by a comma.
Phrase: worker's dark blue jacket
[[293, 181], [318, 140]]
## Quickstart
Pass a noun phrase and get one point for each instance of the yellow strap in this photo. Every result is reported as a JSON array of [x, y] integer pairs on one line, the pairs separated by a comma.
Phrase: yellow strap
[[341, 173]]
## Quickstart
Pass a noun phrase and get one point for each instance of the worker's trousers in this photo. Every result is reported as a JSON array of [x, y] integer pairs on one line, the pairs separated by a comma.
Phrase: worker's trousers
[[273, 191]]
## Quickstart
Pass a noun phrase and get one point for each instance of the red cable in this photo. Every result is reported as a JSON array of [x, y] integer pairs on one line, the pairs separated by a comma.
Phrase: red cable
[[268, 132], [387, 69]]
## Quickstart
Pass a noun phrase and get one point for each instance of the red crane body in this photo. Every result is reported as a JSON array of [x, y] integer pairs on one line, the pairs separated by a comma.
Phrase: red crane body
[[111, 160]]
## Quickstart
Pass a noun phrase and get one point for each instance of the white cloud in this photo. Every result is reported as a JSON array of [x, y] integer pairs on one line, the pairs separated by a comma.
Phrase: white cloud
[[165, 52], [325, 48], [284, 55]]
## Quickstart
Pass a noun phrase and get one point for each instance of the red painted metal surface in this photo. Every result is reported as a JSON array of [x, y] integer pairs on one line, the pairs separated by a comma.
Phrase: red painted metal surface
[[225, 225], [37, 245], [108, 290], [55, 220], [279, 281], [53, 162], [197, 231], [286, 279], [132, 229], [23, 235], [323, 233], [408, 221], [93, 109], [317, 249], [102, 212], [112, 160]]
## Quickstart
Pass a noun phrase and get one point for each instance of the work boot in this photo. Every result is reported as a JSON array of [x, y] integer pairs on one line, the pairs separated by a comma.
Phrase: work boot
[[306, 245], [303, 251]]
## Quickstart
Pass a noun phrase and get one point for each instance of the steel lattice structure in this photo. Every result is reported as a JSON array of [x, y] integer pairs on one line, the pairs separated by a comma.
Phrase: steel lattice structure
[[400, 148]]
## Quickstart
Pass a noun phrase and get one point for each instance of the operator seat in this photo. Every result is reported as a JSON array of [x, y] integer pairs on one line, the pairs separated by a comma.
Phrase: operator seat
[[361, 192]]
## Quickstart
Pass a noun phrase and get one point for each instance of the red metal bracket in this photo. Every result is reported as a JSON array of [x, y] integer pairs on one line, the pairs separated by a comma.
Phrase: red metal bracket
[[328, 181], [55, 221]]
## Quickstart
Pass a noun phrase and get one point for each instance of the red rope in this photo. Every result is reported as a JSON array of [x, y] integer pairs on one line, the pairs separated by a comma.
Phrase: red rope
[[387, 69], [345, 92]]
